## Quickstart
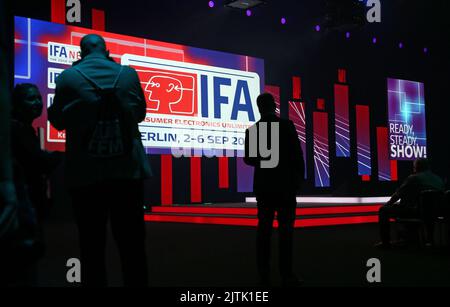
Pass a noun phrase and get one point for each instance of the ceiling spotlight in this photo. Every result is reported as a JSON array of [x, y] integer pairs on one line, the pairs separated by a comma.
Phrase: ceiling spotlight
[[211, 4], [243, 4]]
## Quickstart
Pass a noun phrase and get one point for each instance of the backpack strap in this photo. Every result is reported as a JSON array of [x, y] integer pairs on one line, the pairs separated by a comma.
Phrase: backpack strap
[[95, 84], [117, 78]]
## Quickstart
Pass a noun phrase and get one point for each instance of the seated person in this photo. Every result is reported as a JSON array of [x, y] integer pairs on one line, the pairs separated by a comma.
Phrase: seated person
[[408, 193]]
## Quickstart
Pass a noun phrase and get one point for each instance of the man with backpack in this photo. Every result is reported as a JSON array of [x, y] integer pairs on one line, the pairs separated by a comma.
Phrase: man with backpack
[[99, 103]]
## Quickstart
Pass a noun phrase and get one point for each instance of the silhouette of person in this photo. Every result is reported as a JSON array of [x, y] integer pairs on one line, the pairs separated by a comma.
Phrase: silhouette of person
[[275, 187], [408, 193], [8, 198], [103, 189], [31, 166]]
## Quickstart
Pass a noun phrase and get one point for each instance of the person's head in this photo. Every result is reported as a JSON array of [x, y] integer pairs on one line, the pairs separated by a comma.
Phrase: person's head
[[93, 43], [420, 165], [27, 102], [266, 104]]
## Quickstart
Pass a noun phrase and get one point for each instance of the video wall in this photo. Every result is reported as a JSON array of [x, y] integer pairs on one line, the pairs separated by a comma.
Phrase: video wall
[[407, 123], [203, 100], [196, 98]]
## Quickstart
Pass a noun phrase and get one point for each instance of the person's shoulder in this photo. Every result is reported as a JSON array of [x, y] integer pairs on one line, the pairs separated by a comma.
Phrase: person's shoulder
[[129, 74], [128, 70], [66, 76], [286, 121], [434, 176], [425, 175], [255, 125], [413, 178]]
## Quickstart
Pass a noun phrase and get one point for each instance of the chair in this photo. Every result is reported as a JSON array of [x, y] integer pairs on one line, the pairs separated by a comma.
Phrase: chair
[[415, 230], [443, 220], [412, 228], [432, 211], [429, 211]]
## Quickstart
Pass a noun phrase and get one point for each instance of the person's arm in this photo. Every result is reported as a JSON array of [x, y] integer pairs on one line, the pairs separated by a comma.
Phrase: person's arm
[[26, 146], [252, 161], [55, 111], [394, 198], [401, 191], [139, 105], [48, 160]]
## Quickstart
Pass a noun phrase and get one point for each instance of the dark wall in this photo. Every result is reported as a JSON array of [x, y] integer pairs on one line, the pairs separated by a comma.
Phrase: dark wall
[[296, 49]]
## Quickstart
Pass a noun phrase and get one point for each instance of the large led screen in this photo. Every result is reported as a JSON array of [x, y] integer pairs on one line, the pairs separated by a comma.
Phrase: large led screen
[[196, 98], [407, 124]]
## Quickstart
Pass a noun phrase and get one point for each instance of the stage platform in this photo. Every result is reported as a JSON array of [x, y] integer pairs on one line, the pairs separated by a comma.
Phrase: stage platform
[[310, 212]]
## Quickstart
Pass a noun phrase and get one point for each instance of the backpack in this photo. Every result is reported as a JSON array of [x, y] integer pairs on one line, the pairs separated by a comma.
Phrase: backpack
[[114, 130]]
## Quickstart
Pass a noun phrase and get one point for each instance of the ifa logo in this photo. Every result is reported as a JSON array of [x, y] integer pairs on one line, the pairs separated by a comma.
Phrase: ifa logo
[[175, 88], [63, 53], [170, 92]]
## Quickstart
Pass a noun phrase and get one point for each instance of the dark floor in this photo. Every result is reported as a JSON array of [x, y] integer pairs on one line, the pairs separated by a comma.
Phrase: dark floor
[[211, 255]]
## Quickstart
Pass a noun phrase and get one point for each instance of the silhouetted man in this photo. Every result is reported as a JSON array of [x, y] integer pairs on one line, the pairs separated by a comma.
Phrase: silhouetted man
[[105, 179], [408, 193], [277, 177]]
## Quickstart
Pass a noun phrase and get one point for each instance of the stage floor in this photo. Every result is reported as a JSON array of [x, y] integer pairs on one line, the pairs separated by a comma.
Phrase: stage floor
[[310, 212]]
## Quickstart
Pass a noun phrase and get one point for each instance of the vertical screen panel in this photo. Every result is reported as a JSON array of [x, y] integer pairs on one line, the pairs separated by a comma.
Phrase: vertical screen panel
[[244, 176], [320, 104], [407, 123], [224, 178], [342, 130], [296, 88], [98, 20], [394, 170], [321, 154], [384, 166], [342, 75], [275, 91], [196, 179], [166, 180], [58, 11], [363, 140], [297, 115]]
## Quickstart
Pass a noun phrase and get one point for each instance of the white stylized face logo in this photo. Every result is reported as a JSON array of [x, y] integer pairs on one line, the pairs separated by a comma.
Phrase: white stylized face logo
[[166, 93]]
